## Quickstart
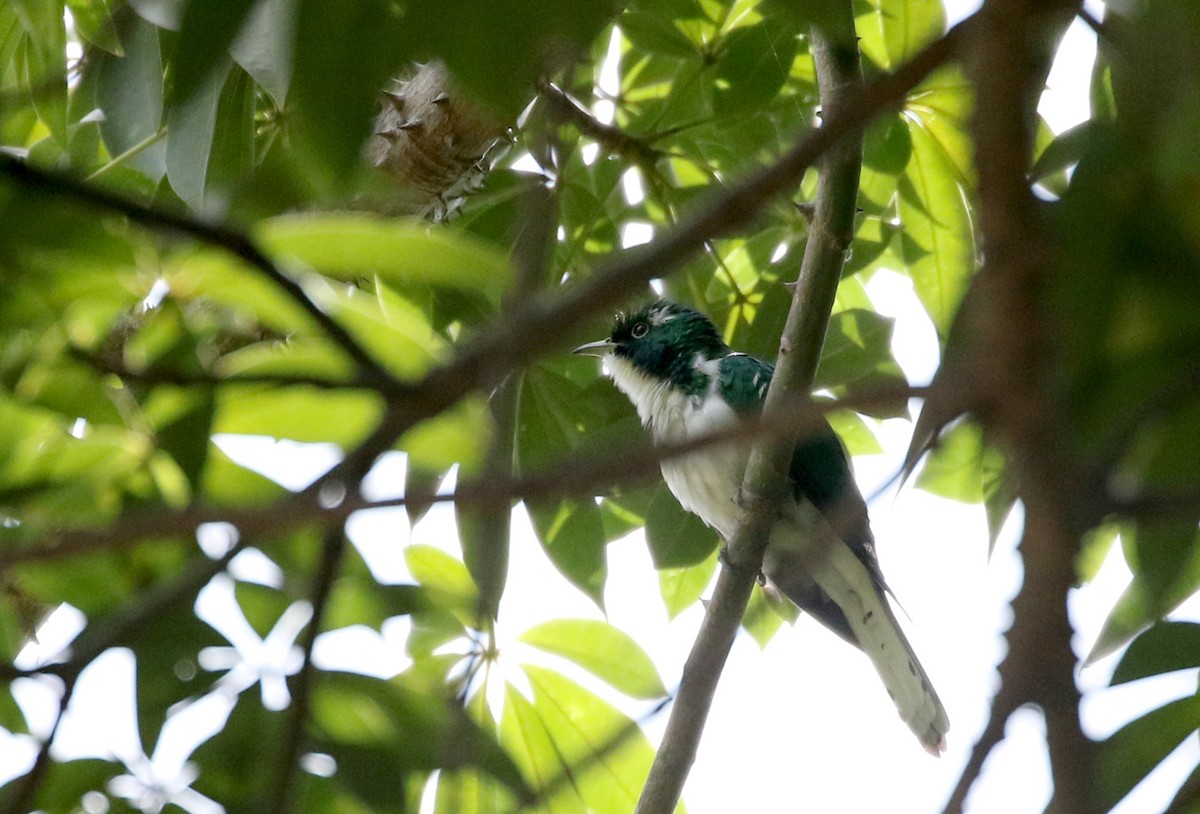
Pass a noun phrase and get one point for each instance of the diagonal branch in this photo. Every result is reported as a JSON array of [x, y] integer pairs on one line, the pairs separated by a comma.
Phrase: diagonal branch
[[837, 62], [549, 320]]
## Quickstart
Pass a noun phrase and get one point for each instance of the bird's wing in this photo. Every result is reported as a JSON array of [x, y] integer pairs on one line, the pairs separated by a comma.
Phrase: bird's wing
[[820, 467], [840, 585]]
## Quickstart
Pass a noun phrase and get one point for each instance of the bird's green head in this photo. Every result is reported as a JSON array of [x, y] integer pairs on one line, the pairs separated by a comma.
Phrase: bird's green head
[[662, 340]]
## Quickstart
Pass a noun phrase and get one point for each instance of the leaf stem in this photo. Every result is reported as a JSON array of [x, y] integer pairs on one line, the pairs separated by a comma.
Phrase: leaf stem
[[132, 152]]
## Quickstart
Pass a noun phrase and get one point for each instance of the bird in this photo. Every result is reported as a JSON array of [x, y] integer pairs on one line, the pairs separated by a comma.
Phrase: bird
[[685, 382]]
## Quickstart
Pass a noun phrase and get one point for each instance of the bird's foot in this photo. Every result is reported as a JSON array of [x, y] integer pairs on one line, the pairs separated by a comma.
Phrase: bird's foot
[[727, 561], [760, 504]]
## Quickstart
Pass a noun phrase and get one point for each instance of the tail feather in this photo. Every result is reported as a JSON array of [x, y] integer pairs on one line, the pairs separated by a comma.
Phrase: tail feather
[[797, 568]]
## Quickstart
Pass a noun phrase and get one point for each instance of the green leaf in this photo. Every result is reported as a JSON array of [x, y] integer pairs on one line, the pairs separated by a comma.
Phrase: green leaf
[[1164, 648], [752, 67], [682, 587], [345, 53], [572, 535], [677, 538], [130, 92], [383, 734], [955, 469], [857, 355], [937, 244], [190, 128], [603, 650], [300, 413], [41, 62], [1145, 601], [657, 35], [902, 28], [264, 47], [205, 34], [162, 13], [1063, 152], [607, 754], [94, 23], [524, 735], [1136, 748], [443, 576], [505, 51], [887, 145], [225, 483], [401, 253], [762, 620]]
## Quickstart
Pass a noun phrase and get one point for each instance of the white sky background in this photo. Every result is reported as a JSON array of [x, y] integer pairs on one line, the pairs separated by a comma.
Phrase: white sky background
[[803, 725]]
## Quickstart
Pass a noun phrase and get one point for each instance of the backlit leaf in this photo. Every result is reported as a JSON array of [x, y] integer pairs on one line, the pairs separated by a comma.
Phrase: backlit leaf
[[601, 649]]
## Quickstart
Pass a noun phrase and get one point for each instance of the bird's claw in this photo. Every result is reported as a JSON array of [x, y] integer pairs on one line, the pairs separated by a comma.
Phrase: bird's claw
[[727, 561]]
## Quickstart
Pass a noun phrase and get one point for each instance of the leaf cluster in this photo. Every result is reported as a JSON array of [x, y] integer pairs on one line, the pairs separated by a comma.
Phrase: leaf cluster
[[187, 256]]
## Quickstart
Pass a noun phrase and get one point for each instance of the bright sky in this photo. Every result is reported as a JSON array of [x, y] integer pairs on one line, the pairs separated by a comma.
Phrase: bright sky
[[803, 725]]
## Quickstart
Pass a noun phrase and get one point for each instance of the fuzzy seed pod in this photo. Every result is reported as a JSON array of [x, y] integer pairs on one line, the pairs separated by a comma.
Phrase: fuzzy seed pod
[[432, 143]]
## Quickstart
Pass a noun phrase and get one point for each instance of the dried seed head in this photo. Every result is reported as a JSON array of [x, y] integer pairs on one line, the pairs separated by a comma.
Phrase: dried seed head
[[431, 142]]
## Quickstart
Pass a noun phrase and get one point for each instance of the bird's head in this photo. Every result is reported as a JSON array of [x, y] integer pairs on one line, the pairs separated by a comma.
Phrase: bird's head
[[662, 341]]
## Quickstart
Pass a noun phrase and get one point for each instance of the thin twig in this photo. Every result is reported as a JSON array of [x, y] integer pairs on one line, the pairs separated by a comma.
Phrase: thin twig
[[613, 139], [574, 475], [234, 242], [292, 741]]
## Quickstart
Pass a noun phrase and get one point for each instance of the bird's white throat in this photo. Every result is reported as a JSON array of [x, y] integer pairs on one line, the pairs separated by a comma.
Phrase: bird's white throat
[[704, 482]]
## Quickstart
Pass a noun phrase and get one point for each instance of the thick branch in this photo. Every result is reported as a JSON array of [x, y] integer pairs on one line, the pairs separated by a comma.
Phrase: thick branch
[[836, 56], [1002, 365]]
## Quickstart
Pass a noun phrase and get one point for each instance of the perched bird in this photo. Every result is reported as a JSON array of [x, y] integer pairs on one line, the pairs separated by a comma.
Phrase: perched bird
[[685, 382]]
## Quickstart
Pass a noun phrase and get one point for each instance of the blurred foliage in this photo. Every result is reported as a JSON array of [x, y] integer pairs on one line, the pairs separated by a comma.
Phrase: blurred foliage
[[125, 349]]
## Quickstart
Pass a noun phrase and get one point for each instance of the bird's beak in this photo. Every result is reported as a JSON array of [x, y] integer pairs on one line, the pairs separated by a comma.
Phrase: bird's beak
[[601, 347]]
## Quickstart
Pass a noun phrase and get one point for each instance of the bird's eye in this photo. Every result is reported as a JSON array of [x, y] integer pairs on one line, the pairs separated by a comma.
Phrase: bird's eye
[[640, 330]]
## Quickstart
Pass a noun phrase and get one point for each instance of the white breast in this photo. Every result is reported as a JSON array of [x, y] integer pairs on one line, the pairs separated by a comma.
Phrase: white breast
[[706, 482]]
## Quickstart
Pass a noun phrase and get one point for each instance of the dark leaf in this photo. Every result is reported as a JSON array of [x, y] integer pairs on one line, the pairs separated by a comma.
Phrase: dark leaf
[[677, 538], [1166, 647]]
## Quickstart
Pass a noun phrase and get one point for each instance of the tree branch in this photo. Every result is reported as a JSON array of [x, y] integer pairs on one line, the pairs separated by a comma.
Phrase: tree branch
[[837, 63], [572, 476], [548, 321], [1000, 368], [564, 108], [292, 743]]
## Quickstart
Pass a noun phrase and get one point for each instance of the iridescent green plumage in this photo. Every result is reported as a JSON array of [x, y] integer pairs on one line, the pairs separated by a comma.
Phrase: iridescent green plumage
[[686, 382]]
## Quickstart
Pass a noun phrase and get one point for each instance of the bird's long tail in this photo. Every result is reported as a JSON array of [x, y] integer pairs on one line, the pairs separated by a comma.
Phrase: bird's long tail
[[846, 581]]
